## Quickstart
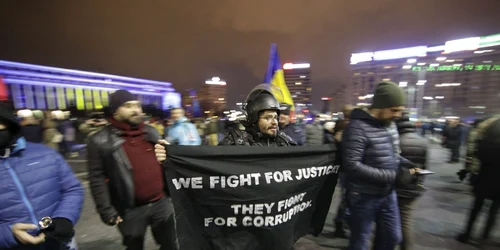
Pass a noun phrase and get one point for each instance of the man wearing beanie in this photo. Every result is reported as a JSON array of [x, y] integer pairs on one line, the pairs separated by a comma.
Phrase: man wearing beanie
[[127, 182], [371, 162]]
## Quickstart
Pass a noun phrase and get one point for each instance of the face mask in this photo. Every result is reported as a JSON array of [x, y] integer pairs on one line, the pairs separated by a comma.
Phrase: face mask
[[5, 139]]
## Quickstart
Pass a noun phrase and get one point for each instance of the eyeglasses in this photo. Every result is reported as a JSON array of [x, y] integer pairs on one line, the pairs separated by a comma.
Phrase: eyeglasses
[[270, 118]]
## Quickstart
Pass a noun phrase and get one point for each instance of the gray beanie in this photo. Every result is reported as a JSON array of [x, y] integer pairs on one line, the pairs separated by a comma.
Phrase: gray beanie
[[388, 95]]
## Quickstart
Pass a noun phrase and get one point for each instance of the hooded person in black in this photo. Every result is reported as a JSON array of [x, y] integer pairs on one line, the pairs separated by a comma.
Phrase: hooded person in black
[[409, 187]]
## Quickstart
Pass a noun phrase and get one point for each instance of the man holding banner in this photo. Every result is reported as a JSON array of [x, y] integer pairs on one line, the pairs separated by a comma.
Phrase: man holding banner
[[252, 198]]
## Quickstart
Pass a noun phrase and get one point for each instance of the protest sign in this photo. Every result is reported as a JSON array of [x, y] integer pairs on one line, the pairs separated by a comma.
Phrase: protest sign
[[252, 198]]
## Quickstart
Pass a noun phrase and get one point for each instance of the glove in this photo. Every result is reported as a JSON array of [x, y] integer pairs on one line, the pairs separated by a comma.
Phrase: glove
[[60, 230]]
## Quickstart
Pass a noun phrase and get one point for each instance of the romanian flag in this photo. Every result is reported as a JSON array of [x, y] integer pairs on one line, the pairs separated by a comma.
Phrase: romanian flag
[[276, 77]]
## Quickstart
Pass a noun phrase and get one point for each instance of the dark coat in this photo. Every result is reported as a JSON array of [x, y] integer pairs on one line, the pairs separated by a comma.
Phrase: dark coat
[[488, 147], [370, 160], [414, 148]]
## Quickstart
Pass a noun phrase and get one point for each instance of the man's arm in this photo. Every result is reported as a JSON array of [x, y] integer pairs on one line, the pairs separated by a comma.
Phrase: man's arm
[[354, 143], [72, 194], [98, 185]]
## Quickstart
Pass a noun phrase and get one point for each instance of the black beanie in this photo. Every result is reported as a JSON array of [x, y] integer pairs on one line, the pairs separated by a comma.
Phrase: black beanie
[[118, 98], [388, 95]]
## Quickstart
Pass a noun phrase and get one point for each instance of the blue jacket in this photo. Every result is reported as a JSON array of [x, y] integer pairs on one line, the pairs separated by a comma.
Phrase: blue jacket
[[370, 160], [295, 132], [182, 132], [35, 182]]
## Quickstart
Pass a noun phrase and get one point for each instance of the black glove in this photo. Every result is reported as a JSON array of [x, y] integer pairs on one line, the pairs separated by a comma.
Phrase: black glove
[[61, 230]]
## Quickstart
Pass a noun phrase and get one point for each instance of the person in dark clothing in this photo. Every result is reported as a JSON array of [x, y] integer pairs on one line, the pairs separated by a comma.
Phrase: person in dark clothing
[[342, 212], [32, 130], [291, 129], [261, 124], [453, 139], [127, 183], [409, 187], [487, 185], [371, 161]]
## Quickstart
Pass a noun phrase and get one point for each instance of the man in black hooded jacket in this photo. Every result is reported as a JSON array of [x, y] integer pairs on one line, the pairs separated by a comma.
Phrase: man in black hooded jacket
[[409, 187]]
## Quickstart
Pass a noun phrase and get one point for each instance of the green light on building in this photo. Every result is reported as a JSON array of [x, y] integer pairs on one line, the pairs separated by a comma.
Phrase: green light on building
[[470, 67]]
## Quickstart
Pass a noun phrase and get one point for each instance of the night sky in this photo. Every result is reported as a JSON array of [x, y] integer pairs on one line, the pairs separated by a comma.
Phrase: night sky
[[188, 41]]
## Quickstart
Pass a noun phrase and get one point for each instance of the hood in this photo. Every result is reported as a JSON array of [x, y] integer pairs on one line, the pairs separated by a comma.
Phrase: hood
[[405, 125], [181, 120], [362, 114], [9, 119]]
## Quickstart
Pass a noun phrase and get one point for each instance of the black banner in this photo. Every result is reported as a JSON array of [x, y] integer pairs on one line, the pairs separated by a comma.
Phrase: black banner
[[245, 198]]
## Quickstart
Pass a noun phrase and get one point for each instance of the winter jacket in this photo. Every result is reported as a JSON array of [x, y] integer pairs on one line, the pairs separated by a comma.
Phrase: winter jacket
[[295, 132], [414, 148], [110, 171], [33, 133], [36, 182], [315, 134], [370, 159], [488, 146], [182, 132], [250, 137]]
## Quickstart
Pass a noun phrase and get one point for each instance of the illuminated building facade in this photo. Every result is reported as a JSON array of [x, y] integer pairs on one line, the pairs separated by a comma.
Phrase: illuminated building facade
[[49, 88], [460, 78], [298, 81], [213, 96], [339, 98]]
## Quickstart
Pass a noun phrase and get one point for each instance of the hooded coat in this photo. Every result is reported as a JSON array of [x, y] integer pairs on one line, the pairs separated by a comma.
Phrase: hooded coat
[[35, 182]]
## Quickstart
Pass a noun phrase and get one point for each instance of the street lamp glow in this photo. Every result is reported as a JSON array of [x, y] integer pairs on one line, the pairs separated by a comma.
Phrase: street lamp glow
[[428, 97], [407, 67], [439, 97], [413, 60]]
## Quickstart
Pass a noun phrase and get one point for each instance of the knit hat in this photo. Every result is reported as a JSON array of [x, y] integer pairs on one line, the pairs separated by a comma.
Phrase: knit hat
[[388, 95], [118, 98]]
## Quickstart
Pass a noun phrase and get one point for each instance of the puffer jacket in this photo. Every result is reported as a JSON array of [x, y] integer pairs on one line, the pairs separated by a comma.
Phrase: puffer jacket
[[315, 134], [370, 160], [295, 132], [35, 182], [413, 148]]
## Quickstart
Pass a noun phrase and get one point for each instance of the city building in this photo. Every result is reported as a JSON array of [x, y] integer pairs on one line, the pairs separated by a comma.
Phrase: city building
[[458, 78], [212, 96], [340, 97], [298, 81], [48, 88]]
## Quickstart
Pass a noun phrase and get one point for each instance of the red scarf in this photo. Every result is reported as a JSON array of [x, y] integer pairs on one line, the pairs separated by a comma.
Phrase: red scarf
[[126, 128]]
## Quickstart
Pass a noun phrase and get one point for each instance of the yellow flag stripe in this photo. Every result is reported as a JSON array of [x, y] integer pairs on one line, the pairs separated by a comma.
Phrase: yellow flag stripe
[[279, 81]]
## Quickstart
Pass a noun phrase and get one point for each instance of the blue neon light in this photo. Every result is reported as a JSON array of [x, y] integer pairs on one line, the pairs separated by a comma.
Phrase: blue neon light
[[16, 73], [55, 84], [80, 73]]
